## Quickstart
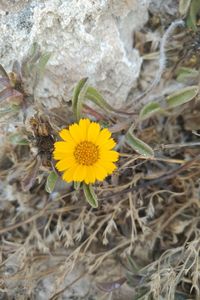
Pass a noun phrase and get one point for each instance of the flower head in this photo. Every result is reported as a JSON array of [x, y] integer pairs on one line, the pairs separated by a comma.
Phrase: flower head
[[85, 154]]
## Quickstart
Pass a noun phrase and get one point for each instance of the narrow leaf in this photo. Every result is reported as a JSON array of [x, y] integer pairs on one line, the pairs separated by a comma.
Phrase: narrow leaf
[[94, 96], [6, 93], [182, 96], [142, 294], [180, 296], [11, 95], [44, 58], [184, 74], [51, 181], [132, 265], [33, 53], [16, 68], [76, 100], [17, 139], [40, 67], [192, 16], [8, 109], [149, 109], [81, 99], [30, 59], [77, 185], [184, 6], [90, 195], [3, 72], [4, 82], [133, 280], [138, 145]]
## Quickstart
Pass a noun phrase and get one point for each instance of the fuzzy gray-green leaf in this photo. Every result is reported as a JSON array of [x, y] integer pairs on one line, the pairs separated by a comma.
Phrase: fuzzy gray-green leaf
[[33, 53], [77, 185], [79, 94], [30, 59], [40, 67], [51, 181], [193, 13], [182, 96], [81, 99], [94, 96], [133, 267], [3, 72], [44, 58], [184, 6], [138, 145], [184, 74], [17, 139], [90, 195], [149, 110], [10, 109]]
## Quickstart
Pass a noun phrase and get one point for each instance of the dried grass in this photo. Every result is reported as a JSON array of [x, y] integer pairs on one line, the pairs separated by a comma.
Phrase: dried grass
[[147, 226]]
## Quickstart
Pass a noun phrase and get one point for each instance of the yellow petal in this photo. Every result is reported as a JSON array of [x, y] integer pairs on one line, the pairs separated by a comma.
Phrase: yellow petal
[[109, 156], [83, 126], [64, 152], [79, 174], [59, 155], [75, 132], [104, 135], [100, 172], [64, 147], [65, 135], [68, 175], [90, 175], [108, 166], [93, 132], [107, 145], [66, 163]]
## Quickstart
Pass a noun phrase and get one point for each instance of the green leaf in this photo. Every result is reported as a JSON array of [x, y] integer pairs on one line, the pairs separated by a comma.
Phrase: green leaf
[[78, 97], [33, 53], [40, 67], [138, 145], [17, 139], [133, 267], [180, 296], [81, 99], [94, 96], [9, 109], [90, 195], [5, 110], [51, 181], [77, 185], [3, 72], [43, 60], [140, 295], [182, 96], [192, 16], [184, 74], [76, 92], [30, 59], [149, 109], [184, 6]]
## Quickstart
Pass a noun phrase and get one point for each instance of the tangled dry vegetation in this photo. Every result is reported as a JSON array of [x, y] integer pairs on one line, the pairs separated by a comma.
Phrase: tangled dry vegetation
[[143, 240]]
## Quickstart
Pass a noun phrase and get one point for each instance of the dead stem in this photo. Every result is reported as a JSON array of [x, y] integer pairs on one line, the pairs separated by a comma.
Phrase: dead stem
[[163, 177]]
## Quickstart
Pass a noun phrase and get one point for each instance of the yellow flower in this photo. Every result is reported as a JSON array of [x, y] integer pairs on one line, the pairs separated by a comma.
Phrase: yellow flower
[[86, 153]]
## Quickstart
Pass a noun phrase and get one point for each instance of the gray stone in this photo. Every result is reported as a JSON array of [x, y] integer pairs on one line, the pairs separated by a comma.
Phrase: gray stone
[[87, 39]]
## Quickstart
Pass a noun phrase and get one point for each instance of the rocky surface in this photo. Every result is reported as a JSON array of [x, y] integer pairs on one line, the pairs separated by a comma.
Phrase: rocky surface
[[91, 38], [86, 38]]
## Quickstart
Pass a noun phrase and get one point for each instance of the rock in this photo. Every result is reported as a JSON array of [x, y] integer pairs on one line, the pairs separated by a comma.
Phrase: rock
[[87, 39]]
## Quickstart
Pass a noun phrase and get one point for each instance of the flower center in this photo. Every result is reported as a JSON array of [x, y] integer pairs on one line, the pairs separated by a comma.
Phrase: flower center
[[86, 153]]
